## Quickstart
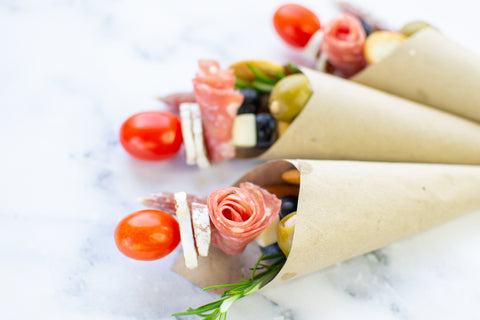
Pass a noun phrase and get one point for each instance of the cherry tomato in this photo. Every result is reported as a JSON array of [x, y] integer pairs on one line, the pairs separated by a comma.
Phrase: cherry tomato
[[147, 235], [152, 135], [295, 24]]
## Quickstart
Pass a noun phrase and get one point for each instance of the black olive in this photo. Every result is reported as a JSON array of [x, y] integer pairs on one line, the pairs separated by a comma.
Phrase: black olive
[[289, 204], [266, 130], [271, 249], [251, 101], [247, 108], [263, 103]]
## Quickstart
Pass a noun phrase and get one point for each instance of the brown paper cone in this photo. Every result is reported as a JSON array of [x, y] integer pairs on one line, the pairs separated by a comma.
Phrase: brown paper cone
[[346, 121], [347, 208], [430, 69]]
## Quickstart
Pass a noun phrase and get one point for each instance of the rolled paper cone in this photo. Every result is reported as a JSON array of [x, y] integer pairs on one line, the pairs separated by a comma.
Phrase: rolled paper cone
[[347, 121], [430, 69], [349, 208]]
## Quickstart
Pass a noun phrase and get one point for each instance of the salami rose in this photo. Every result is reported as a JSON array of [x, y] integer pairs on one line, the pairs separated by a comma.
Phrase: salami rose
[[240, 214], [219, 103], [342, 44]]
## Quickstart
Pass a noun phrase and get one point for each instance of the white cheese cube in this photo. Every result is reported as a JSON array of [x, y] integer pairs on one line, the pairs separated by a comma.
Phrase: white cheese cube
[[244, 131], [269, 235]]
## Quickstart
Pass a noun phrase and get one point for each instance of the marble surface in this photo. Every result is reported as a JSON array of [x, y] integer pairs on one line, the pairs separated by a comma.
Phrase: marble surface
[[72, 71]]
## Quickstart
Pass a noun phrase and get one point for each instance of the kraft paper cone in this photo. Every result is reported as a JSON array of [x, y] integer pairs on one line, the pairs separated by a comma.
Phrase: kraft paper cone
[[430, 69], [347, 121], [347, 209]]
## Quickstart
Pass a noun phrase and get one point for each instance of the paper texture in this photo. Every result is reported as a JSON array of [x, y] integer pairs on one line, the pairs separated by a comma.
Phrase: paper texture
[[430, 69], [347, 121], [348, 208]]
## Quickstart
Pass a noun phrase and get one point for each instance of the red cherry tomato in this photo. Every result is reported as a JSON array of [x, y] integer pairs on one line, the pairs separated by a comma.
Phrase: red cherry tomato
[[295, 24], [152, 135], [147, 235]]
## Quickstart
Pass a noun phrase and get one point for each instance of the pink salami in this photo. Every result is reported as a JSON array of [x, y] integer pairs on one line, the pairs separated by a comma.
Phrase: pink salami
[[173, 101], [342, 44], [165, 201], [240, 215], [219, 103]]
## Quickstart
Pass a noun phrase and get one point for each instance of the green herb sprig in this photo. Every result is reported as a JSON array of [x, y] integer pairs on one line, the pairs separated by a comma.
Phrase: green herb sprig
[[262, 82], [218, 309]]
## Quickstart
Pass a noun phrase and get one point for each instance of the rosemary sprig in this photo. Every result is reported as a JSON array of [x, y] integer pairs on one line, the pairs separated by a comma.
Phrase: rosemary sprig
[[218, 309]]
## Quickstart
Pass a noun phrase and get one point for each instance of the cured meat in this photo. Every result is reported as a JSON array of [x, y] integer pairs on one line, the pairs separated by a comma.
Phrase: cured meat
[[165, 201], [342, 44], [219, 103], [240, 214], [173, 101], [371, 21]]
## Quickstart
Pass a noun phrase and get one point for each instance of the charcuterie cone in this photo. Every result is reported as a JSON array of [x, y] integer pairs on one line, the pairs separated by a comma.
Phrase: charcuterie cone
[[349, 208], [347, 121], [430, 69]]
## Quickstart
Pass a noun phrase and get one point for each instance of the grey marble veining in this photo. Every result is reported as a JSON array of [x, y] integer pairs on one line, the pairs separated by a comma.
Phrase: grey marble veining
[[72, 71]]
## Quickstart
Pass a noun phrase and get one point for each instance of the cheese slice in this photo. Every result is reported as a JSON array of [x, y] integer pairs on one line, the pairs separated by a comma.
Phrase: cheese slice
[[201, 228], [186, 232], [197, 128], [187, 133], [312, 48]]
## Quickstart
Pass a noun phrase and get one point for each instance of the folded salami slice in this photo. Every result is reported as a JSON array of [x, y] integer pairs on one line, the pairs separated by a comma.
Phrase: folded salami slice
[[173, 101], [219, 102], [165, 201]]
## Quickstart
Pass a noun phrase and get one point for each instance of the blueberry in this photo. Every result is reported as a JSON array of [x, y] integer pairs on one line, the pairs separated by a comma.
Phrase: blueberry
[[366, 26], [251, 101], [271, 249], [289, 204], [266, 130]]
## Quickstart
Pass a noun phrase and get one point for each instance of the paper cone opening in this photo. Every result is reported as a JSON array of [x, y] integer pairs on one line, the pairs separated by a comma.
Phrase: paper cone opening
[[430, 69], [347, 208]]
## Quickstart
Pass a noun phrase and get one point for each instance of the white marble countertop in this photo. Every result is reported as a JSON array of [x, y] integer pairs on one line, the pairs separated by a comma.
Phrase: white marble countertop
[[72, 71]]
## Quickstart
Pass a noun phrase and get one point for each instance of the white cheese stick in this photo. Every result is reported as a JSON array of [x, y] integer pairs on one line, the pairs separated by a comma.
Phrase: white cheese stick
[[187, 132], [186, 232], [201, 227], [312, 48], [197, 128]]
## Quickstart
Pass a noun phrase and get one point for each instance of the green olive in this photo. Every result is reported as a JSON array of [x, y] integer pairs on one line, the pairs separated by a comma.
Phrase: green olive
[[289, 96], [413, 27]]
